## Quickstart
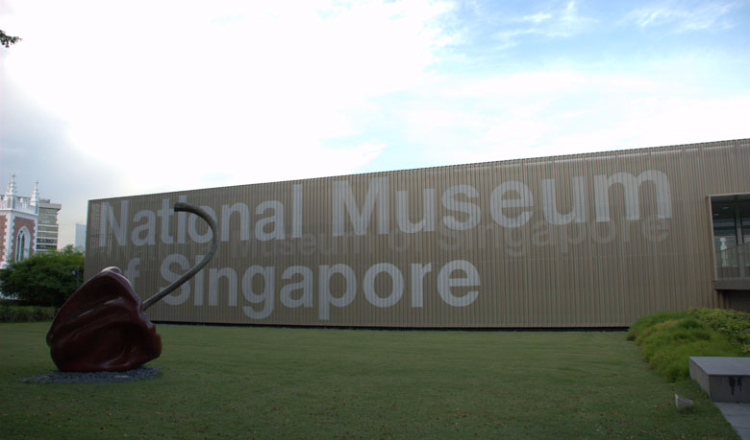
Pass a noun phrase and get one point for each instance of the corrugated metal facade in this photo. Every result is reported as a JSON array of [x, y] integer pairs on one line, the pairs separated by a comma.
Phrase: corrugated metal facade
[[593, 240]]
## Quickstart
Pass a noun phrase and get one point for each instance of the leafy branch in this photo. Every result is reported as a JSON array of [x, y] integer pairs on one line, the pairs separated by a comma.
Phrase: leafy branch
[[7, 40]]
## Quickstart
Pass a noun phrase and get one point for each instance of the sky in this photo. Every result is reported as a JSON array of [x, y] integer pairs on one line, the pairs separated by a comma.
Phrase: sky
[[112, 98]]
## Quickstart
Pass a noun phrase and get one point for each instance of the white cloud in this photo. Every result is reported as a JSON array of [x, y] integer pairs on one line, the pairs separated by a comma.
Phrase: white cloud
[[546, 113], [705, 15], [536, 18], [561, 21], [570, 21], [242, 91]]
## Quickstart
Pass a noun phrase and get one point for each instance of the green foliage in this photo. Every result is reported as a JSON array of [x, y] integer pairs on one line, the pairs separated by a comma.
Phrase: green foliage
[[733, 323], [668, 339], [19, 313], [7, 40], [45, 279], [644, 325]]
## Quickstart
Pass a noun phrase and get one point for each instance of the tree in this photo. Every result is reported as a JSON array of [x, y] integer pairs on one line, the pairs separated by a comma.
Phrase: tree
[[45, 279], [7, 40]]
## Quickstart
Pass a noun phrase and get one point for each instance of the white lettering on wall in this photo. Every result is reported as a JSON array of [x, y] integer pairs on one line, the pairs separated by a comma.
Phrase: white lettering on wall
[[472, 211], [327, 299], [503, 198], [264, 297], [343, 197], [631, 185], [427, 224], [146, 232], [397, 285], [169, 276], [165, 214], [337, 286], [549, 203], [511, 205], [119, 229], [200, 237], [243, 212], [304, 286], [214, 276], [275, 221], [297, 210], [446, 282]]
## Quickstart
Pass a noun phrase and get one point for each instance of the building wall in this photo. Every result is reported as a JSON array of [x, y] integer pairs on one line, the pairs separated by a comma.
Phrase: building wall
[[35, 212], [592, 240], [80, 237], [739, 301], [9, 231], [3, 226], [48, 226]]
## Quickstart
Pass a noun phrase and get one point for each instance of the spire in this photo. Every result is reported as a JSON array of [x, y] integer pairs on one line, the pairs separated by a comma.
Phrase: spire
[[11, 186], [35, 194]]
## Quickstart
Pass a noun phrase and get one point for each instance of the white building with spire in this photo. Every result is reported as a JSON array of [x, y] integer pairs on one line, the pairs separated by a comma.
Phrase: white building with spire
[[27, 224]]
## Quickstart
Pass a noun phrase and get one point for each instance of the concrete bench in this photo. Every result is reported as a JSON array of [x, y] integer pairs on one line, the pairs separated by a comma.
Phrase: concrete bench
[[724, 379]]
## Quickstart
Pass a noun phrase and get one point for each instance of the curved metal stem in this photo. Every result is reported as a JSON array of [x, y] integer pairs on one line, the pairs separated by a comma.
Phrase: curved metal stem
[[189, 274]]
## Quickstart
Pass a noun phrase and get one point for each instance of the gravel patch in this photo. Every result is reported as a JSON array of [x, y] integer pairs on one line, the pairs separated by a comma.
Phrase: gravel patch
[[139, 373]]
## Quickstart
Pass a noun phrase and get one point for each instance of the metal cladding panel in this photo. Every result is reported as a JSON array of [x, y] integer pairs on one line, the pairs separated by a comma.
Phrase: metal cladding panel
[[591, 240]]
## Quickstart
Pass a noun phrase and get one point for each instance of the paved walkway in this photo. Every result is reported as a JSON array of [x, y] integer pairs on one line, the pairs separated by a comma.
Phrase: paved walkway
[[738, 415], [721, 378]]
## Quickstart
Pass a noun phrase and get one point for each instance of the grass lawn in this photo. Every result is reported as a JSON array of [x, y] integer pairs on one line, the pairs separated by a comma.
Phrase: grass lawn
[[280, 383]]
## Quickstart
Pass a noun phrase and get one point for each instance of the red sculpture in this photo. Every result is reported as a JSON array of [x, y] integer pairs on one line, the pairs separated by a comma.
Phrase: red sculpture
[[103, 327]]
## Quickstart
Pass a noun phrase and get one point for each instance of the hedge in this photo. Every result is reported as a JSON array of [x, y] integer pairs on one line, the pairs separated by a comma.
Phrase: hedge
[[669, 338], [19, 313]]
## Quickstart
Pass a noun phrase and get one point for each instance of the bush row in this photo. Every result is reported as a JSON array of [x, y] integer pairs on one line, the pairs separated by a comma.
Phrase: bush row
[[734, 324], [668, 339], [19, 313]]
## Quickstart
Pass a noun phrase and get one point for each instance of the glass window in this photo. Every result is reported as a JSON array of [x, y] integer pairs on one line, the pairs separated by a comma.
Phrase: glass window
[[745, 219], [22, 244], [731, 226], [725, 227]]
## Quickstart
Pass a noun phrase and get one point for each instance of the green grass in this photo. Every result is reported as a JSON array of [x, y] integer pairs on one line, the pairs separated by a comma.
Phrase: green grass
[[277, 383]]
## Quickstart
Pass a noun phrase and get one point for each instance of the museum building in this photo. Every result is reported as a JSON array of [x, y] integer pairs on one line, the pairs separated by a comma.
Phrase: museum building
[[589, 240]]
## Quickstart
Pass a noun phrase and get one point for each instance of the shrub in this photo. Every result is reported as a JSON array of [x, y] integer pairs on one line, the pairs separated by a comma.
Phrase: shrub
[[674, 363], [668, 339], [644, 324], [19, 313], [733, 323], [44, 279]]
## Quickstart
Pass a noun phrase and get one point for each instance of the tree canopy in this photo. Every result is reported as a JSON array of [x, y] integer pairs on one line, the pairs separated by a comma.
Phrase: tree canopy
[[45, 279], [7, 40]]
